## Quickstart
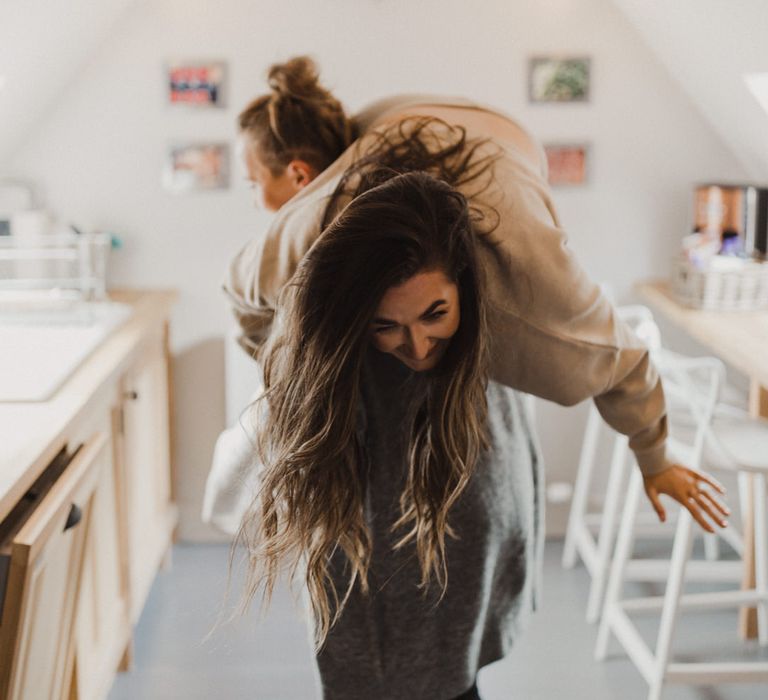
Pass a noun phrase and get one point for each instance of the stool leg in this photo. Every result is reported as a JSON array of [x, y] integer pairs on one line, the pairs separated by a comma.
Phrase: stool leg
[[607, 527], [621, 555], [743, 481], [711, 546], [761, 558], [581, 487], [681, 552], [748, 628]]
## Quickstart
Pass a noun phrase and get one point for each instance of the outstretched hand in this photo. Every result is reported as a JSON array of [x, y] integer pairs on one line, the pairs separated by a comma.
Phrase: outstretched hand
[[687, 487]]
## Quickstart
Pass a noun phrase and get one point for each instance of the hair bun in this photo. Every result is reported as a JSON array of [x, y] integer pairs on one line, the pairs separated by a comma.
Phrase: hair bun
[[297, 77]]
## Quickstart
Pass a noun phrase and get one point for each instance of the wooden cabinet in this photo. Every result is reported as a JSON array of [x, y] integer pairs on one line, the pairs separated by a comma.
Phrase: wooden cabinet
[[136, 519], [102, 623], [145, 447], [83, 545], [46, 557]]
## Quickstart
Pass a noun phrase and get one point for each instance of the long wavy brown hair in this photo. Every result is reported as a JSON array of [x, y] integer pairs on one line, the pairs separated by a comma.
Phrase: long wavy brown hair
[[422, 144], [395, 213]]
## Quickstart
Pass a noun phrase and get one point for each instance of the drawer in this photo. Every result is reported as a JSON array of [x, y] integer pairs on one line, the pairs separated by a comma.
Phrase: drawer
[[42, 547], [21, 512]]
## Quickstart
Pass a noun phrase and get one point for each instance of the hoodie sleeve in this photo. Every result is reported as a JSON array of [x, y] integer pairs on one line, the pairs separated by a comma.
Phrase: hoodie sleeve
[[554, 334]]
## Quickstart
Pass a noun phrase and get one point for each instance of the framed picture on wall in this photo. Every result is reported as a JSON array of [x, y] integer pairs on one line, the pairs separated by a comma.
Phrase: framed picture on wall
[[558, 79], [195, 167], [197, 83], [568, 163]]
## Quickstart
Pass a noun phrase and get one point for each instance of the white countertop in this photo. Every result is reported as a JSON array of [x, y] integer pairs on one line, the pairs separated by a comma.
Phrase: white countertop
[[31, 433], [39, 351]]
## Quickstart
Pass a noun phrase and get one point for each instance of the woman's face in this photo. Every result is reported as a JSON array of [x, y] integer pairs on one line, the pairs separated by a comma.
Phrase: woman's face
[[416, 320], [274, 190]]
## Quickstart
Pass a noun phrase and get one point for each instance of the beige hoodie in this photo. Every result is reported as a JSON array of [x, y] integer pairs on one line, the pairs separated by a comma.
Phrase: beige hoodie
[[554, 334]]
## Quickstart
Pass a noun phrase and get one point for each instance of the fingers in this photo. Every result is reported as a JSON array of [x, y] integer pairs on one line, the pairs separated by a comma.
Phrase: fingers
[[711, 508], [685, 485], [722, 507], [691, 505], [653, 497], [707, 479]]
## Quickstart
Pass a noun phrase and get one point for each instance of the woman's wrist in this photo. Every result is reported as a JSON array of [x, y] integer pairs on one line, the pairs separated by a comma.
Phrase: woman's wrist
[[653, 461]]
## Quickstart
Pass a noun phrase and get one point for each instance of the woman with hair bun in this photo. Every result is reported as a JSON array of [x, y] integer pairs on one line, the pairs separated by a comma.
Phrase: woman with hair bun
[[413, 282], [293, 133]]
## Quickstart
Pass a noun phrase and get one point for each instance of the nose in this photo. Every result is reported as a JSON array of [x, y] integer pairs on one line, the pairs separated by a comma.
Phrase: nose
[[419, 346]]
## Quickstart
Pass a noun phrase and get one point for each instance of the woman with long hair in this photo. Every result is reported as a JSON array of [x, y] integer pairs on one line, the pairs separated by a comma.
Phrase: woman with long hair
[[404, 294], [412, 503]]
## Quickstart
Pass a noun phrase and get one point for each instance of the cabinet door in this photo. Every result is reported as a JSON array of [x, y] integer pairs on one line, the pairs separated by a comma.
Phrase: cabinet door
[[36, 632], [102, 627], [151, 515]]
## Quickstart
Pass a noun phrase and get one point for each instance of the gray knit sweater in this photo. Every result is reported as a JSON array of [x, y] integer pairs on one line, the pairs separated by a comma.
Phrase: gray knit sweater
[[396, 643]]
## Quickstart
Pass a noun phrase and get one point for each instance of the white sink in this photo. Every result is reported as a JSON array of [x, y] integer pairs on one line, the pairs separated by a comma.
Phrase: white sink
[[40, 348]]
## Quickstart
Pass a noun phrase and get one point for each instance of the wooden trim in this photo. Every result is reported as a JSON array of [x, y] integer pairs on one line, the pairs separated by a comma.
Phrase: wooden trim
[[123, 523], [171, 410], [38, 528], [758, 400]]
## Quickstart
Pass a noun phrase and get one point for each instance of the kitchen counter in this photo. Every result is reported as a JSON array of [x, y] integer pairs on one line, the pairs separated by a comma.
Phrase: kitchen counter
[[31, 434], [738, 337]]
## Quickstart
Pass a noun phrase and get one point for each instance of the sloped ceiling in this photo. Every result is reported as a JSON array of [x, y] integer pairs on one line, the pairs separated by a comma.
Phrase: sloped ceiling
[[43, 44], [709, 46]]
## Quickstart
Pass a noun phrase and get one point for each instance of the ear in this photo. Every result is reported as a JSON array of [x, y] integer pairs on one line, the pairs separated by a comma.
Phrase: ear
[[301, 173]]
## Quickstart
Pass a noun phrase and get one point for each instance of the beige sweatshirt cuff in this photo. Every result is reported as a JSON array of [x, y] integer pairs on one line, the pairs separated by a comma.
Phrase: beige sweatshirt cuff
[[653, 460]]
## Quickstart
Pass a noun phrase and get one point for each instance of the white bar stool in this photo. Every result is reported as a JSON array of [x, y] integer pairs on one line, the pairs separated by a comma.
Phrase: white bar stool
[[745, 445], [595, 552]]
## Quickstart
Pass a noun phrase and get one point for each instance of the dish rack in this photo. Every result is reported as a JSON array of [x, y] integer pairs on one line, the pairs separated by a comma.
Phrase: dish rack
[[713, 289], [60, 267]]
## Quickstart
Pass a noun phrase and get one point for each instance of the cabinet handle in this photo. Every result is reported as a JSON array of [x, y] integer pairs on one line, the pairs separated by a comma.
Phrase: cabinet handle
[[74, 517], [131, 395]]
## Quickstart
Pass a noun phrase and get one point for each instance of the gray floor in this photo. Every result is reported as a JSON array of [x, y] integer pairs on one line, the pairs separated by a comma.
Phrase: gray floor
[[268, 658]]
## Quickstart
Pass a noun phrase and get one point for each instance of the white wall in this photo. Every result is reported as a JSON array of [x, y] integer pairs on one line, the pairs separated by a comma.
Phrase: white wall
[[43, 45], [709, 46], [99, 153]]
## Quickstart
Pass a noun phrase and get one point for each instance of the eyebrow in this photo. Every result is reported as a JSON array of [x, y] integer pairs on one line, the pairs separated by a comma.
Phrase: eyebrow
[[432, 307]]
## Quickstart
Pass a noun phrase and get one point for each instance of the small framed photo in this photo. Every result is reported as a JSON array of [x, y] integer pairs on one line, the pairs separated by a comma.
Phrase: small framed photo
[[567, 163], [197, 83], [558, 79], [195, 167]]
